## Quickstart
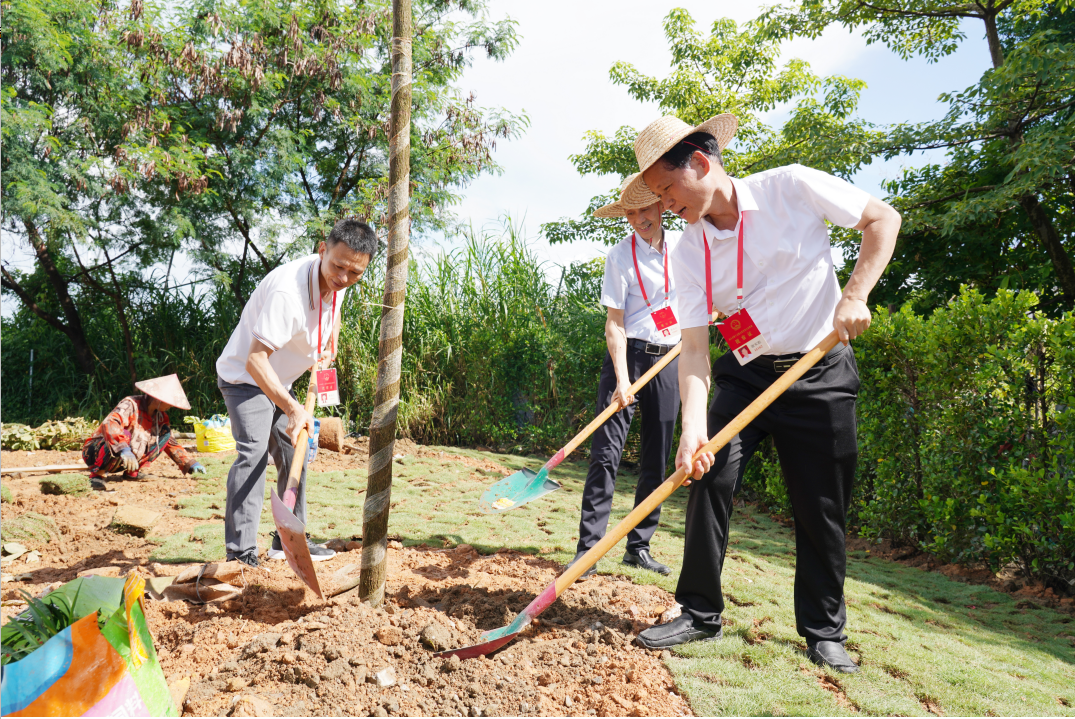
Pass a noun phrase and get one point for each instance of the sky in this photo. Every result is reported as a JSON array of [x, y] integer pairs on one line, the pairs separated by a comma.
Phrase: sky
[[559, 75]]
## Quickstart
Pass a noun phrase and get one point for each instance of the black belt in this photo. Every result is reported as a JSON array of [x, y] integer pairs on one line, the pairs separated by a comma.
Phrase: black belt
[[782, 363], [650, 348]]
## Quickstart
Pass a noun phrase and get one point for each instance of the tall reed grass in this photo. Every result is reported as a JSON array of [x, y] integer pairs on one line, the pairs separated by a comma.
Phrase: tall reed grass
[[493, 352]]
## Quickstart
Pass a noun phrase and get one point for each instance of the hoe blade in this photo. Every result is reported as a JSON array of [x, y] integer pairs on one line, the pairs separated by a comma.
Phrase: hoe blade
[[515, 491], [292, 534]]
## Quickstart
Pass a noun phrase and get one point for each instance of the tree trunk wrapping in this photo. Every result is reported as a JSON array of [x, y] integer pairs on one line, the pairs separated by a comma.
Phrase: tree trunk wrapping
[[390, 350]]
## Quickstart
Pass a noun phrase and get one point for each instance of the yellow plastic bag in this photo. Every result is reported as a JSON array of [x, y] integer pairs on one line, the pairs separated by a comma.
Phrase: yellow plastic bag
[[210, 436]]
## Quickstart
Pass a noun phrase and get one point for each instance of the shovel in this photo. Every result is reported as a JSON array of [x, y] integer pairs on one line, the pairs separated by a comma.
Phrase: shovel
[[291, 531], [526, 485], [496, 638]]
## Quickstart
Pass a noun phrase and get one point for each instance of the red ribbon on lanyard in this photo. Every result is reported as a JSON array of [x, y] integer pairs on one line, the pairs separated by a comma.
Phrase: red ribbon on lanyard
[[638, 274], [332, 319], [738, 272]]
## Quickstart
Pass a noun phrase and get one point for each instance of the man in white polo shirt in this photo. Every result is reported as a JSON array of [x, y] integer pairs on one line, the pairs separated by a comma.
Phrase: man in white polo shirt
[[758, 250], [291, 318], [640, 296]]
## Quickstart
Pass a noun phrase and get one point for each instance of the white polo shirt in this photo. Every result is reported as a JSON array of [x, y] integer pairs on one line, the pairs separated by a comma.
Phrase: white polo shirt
[[620, 290], [283, 314], [789, 282]]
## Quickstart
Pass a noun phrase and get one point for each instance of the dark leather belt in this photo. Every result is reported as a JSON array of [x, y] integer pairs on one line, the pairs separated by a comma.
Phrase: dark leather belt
[[650, 348], [782, 363]]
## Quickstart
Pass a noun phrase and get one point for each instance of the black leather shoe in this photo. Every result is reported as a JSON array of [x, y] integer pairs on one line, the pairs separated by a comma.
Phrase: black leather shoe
[[643, 560], [589, 572], [833, 655], [678, 631]]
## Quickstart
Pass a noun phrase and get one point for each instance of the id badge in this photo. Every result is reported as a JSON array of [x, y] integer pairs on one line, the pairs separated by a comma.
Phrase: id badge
[[743, 337], [328, 392], [665, 320]]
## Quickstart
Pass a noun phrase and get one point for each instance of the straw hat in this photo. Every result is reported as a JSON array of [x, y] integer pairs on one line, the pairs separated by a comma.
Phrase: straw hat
[[662, 135], [632, 196], [167, 389]]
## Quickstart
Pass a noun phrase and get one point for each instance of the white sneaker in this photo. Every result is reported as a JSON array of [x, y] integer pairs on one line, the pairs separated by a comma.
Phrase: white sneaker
[[318, 552]]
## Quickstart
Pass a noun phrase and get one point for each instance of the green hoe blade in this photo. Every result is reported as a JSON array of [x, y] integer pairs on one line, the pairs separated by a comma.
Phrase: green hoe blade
[[518, 489]]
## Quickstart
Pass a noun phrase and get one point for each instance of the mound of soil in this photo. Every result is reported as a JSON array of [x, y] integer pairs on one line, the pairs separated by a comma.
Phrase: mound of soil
[[289, 651]]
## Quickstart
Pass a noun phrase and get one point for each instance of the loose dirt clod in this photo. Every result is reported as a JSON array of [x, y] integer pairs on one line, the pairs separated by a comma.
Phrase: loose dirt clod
[[331, 436], [436, 637]]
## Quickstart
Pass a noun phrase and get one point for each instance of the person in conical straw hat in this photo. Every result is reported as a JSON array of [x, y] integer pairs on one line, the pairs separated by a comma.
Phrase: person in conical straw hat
[[757, 249], [134, 434], [639, 295]]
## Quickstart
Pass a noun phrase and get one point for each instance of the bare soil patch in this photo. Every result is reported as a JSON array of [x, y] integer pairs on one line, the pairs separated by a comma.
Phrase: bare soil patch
[[296, 655]]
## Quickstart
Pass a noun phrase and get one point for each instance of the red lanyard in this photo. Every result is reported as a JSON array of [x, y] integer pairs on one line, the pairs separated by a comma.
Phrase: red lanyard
[[738, 271], [638, 274], [332, 319]]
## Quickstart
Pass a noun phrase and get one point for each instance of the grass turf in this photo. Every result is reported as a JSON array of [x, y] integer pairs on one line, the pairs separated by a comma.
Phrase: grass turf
[[76, 485], [926, 643]]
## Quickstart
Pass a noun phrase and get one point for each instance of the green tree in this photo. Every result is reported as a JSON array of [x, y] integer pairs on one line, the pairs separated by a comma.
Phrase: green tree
[[237, 131], [732, 69], [997, 211]]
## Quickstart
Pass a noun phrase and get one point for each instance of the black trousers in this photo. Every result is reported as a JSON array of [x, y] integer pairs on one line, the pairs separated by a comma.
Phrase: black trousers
[[813, 427], [659, 401]]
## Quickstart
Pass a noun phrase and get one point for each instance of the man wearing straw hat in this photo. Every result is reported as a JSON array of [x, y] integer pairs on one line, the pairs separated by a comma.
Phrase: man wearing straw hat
[[757, 249], [639, 294], [134, 434], [291, 320]]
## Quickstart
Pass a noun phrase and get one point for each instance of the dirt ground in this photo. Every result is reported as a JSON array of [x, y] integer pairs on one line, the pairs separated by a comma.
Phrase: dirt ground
[[279, 650]]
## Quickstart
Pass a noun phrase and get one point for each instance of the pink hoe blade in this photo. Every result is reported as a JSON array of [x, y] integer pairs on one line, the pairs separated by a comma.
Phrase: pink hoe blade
[[292, 534]]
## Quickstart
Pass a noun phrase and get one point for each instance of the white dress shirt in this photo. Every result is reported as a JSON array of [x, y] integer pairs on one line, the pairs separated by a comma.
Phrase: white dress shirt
[[621, 291], [283, 314], [789, 282]]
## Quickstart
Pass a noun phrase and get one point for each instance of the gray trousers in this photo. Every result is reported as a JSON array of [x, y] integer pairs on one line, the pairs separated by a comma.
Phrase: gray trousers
[[259, 428]]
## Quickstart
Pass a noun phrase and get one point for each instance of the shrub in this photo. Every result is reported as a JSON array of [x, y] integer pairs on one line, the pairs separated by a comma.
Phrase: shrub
[[966, 435], [966, 441]]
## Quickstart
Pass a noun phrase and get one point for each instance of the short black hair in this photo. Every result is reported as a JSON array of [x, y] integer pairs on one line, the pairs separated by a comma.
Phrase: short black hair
[[357, 235], [680, 156]]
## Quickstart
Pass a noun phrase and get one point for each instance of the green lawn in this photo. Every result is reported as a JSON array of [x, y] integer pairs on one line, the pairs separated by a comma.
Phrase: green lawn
[[926, 643]]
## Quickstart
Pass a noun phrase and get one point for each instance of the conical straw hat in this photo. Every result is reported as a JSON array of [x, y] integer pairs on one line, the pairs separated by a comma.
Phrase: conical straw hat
[[663, 134], [639, 196], [167, 389]]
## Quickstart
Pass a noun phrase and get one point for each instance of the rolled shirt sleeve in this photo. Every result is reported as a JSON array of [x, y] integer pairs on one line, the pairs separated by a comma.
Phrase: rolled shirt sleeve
[[834, 199], [615, 286]]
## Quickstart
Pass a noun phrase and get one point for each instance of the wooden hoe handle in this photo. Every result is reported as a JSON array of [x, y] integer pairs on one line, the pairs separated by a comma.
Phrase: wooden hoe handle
[[304, 434], [614, 408], [670, 485]]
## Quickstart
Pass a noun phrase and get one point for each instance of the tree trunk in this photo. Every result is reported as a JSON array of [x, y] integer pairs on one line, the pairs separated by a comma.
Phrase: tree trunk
[[390, 351], [1054, 248], [996, 50], [73, 327], [128, 340]]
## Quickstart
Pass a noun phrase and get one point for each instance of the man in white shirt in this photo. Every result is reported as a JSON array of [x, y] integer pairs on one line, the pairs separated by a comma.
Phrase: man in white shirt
[[291, 318], [775, 221], [640, 296]]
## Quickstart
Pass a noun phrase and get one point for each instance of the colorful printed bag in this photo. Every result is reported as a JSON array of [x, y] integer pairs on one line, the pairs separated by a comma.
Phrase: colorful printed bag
[[89, 671]]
